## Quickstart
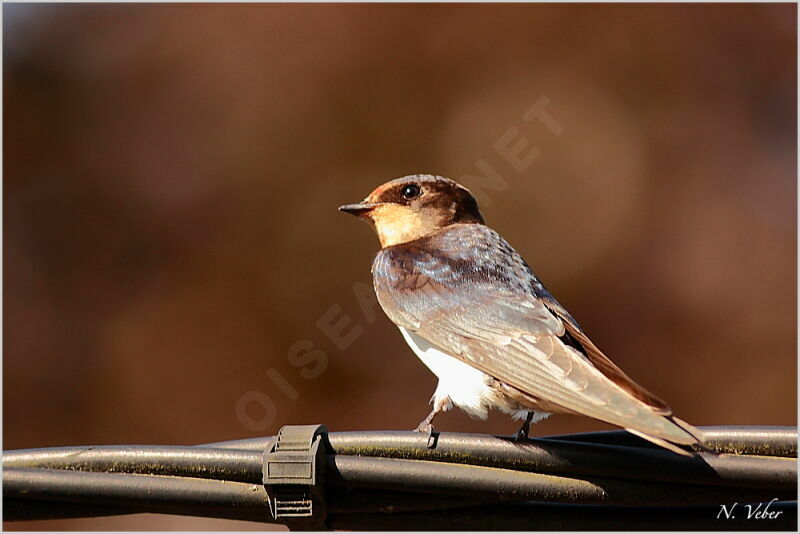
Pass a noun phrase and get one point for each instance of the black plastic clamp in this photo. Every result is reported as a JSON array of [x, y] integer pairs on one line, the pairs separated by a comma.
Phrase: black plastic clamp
[[294, 468]]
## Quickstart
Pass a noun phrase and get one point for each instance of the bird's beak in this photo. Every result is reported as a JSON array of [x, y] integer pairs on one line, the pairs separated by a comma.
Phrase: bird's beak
[[362, 208]]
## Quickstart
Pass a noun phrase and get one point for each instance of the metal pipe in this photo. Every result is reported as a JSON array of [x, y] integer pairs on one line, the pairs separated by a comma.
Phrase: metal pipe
[[196, 462], [397, 474], [475, 481]]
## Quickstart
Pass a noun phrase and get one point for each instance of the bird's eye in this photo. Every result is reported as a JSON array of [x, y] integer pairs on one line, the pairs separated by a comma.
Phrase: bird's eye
[[411, 191]]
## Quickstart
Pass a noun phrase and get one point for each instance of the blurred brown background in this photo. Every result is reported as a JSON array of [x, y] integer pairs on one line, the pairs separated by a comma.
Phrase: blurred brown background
[[171, 178]]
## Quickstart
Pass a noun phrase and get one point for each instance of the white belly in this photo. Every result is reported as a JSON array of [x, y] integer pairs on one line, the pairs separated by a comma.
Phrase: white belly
[[460, 383]]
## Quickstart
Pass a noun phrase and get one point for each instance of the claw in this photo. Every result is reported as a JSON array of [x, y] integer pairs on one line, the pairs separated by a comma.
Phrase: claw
[[427, 428]]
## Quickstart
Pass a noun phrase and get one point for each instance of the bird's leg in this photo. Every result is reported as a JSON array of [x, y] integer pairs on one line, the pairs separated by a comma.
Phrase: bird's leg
[[439, 405], [426, 426], [522, 433]]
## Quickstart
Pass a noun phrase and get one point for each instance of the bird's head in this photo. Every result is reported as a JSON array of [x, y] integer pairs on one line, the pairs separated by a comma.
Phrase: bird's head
[[415, 206]]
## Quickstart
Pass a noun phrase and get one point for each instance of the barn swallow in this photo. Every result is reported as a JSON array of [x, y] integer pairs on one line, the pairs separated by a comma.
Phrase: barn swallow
[[478, 317]]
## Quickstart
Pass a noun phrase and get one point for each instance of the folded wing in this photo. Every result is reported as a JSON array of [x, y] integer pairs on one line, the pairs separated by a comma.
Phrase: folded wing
[[487, 313]]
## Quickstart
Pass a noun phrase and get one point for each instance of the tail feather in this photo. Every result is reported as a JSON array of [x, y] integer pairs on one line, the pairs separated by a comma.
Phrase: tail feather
[[661, 443], [675, 432], [693, 431]]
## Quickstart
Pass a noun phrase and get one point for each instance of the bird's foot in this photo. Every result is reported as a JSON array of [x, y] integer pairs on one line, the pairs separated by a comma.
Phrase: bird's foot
[[522, 433], [427, 428]]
